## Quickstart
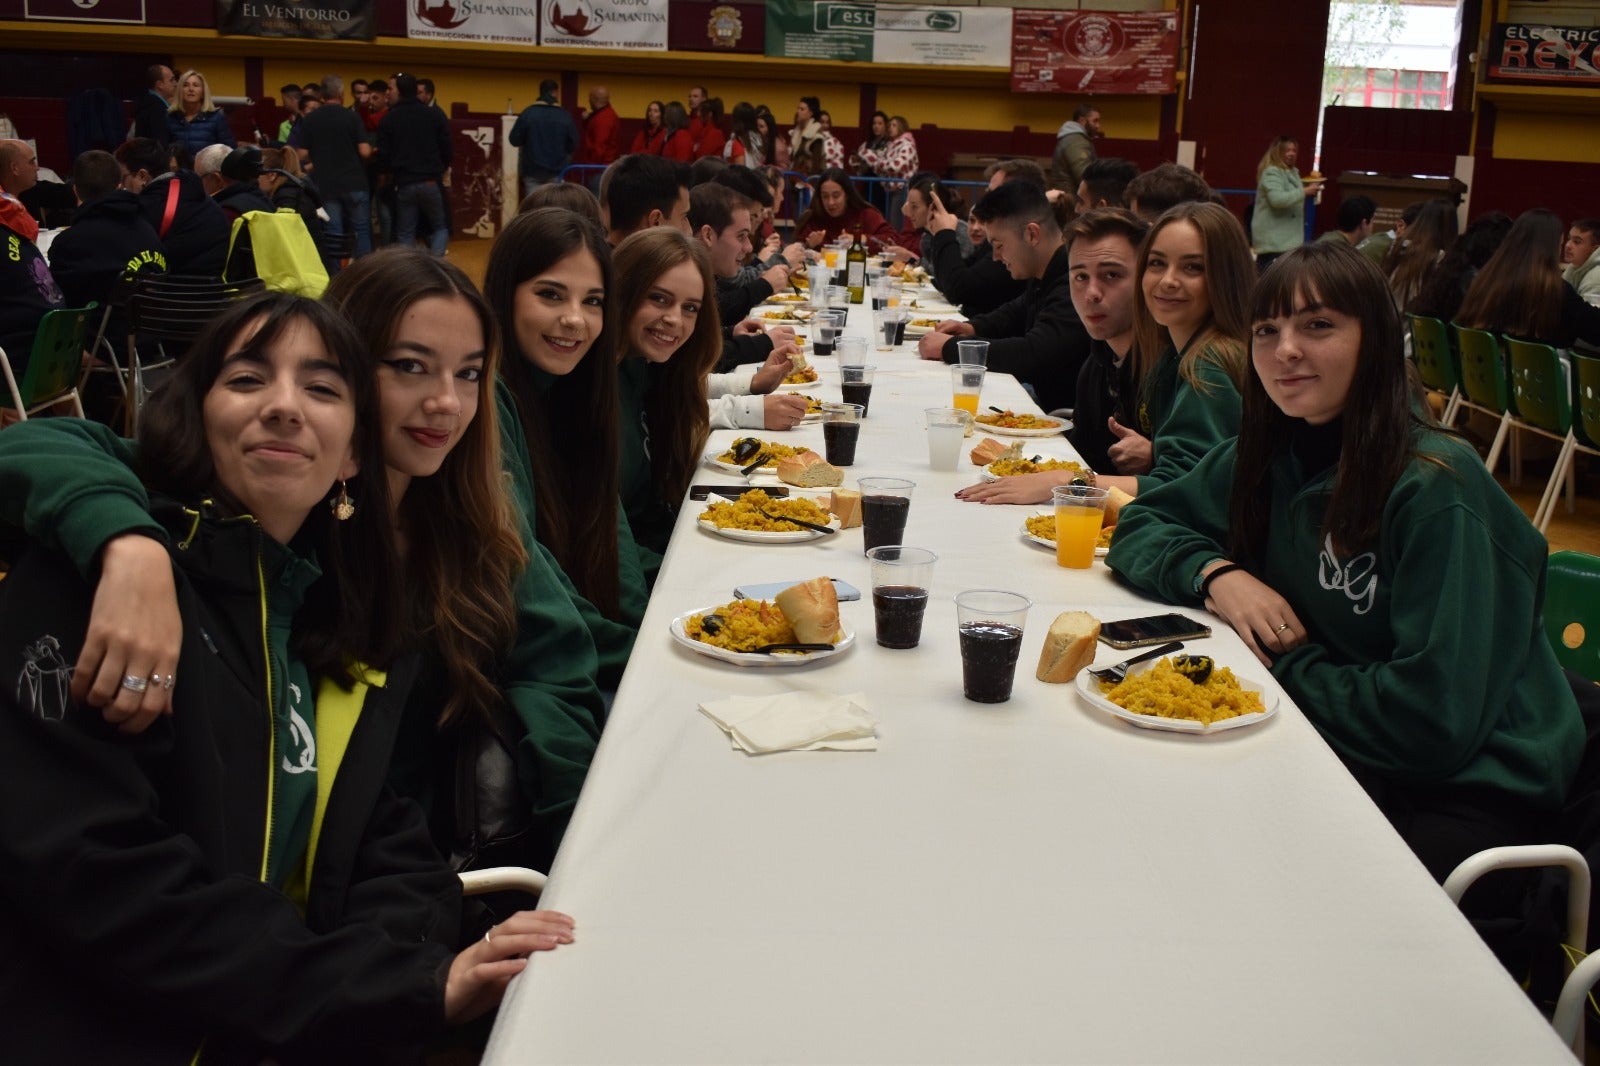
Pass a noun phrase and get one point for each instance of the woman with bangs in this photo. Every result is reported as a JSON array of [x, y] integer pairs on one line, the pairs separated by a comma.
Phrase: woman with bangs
[[1370, 561], [671, 336], [547, 284], [1191, 324], [257, 891]]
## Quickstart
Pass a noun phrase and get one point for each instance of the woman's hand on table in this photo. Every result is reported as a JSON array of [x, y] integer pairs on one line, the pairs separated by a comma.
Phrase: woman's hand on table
[[775, 369], [1132, 453], [479, 974], [815, 238], [134, 631], [1019, 488], [783, 410], [1262, 618]]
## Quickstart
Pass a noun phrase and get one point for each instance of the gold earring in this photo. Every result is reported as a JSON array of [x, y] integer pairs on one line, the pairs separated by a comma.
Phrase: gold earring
[[342, 506]]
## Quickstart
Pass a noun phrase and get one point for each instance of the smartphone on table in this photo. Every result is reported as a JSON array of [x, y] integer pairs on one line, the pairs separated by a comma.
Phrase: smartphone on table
[[1152, 629]]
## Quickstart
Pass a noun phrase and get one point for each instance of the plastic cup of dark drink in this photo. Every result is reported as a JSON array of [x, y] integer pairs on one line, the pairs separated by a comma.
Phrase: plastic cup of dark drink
[[901, 578], [885, 328], [826, 326], [841, 428], [885, 505], [856, 385], [989, 623]]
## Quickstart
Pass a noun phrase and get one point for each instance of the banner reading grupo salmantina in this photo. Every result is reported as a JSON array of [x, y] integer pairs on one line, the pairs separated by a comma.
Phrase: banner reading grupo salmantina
[[627, 25], [888, 33], [495, 21], [328, 20]]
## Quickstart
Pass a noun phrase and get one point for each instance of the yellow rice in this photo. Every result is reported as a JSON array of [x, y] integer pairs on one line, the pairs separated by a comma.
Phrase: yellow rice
[[1011, 467], [1163, 692], [745, 513], [773, 452], [746, 626], [1012, 420]]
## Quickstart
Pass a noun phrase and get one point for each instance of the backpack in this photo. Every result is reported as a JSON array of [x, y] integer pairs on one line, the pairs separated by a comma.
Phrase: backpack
[[286, 258]]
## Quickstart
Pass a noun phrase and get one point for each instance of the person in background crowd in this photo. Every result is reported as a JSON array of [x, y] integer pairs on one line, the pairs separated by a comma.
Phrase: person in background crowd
[[719, 218], [192, 227], [334, 140], [1154, 192], [1279, 220], [193, 119], [545, 136], [679, 142], [1446, 285], [807, 148], [978, 281], [697, 96], [426, 93], [1104, 183], [414, 147], [602, 129], [755, 188], [641, 191], [19, 168], [27, 290], [926, 190], [1074, 148], [285, 185], [1354, 222], [832, 147], [289, 100], [1580, 255], [653, 137], [743, 148], [703, 170], [230, 177], [150, 113], [709, 139], [358, 92], [109, 239], [774, 144], [897, 160], [1357, 549], [565, 194], [837, 211], [375, 106], [1520, 291], [1376, 247], [1414, 257], [1037, 336]]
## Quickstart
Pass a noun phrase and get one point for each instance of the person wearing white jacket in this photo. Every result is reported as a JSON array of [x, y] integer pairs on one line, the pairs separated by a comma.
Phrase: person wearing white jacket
[[1580, 258]]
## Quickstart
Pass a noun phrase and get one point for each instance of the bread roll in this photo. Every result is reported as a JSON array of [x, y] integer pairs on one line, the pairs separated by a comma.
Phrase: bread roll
[[1068, 647], [1116, 500], [986, 451], [845, 504], [809, 471], [797, 362], [812, 607]]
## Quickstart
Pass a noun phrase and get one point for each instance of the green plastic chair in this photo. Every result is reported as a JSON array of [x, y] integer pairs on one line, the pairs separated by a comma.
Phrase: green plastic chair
[[1572, 611], [1586, 372], [1484, 384], [1436, 362], [1540, 392], [53, 365]]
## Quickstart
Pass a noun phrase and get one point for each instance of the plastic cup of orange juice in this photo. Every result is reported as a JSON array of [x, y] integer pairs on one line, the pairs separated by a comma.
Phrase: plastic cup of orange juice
[[966, 382], [1079, 512]]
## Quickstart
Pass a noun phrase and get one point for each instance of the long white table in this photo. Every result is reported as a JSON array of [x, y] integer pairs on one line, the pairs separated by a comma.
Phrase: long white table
[[1024, 882]]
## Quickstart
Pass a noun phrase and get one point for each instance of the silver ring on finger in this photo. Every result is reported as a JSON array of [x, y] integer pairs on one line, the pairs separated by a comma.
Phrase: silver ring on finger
[[135, 684], [1281, 627], [488, 935], [161, 681], [169, 681]]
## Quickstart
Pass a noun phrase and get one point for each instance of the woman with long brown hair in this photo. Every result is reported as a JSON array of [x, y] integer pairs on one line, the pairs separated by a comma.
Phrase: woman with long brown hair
[[1412, 259], [653, 137], [670, 338], [1520, 291], [837, 210]]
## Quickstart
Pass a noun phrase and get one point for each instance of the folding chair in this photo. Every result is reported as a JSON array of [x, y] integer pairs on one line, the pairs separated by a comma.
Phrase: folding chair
[[1572, 611], [1436, 362], [172, 309], [53, 364], [1485, 387], [1541, 397]]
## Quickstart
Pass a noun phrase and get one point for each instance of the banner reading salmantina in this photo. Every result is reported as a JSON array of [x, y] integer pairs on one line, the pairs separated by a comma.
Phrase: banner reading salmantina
[[331, 20]]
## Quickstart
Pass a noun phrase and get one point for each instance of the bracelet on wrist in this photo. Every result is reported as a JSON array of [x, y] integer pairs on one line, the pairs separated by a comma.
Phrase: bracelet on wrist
[[1205, 582]]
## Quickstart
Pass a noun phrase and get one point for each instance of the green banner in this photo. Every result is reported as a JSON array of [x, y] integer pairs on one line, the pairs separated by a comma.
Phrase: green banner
[[820, 29]]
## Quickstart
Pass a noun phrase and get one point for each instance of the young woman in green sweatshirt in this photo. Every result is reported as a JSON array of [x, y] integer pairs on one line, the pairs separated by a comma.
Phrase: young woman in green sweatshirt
[[1370, 561]]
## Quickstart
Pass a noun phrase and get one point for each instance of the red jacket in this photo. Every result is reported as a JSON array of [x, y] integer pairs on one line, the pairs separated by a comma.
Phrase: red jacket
[[602, 137], [648, 141], [874, 228], [710, 143], [679, 146]]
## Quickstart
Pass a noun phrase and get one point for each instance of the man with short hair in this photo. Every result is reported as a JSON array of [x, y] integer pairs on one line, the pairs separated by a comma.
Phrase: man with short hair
[[1037, 336], [426, 93], [335, 142], [374, 105], [1151, 193], [232, 178], [976, 282], [150, 113], [1376, 247], [414, 147], [1074, 148], [1580, 254], [1003, 170], [1104, 183], [1354, 222], [545, 137], [697, 96], [191, 226], [640, 191], [720, 219], [602, 129], [1102, 262]]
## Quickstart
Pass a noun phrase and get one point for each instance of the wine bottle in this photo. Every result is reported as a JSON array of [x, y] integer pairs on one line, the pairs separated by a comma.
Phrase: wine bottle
[[855, 270]]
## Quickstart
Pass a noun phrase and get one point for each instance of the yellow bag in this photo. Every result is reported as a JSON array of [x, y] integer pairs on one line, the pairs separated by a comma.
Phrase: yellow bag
[[285, 256]]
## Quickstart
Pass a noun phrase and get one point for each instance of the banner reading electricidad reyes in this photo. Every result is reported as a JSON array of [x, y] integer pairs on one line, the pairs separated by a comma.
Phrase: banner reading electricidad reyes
[[490, 21], [888, 33], [628, 25], [328, 20]]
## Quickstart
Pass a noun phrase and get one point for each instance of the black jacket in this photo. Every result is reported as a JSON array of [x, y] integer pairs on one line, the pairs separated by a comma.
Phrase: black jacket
[[150, 118], [977, 283], [1037, 337], [414, 142], [1105, 390], [109, 239], [197, 240], [240, 197], [135, 926]]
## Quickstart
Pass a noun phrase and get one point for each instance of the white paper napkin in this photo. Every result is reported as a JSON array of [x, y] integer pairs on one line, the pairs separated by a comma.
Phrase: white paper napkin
[[796, 721]]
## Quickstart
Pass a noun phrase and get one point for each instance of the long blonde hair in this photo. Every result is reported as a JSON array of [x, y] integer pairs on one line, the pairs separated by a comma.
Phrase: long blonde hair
[[1274, 156], [206, 103]]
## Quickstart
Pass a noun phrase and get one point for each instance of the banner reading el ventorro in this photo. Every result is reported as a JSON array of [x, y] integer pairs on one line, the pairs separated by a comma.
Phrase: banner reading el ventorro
[[328, 20]]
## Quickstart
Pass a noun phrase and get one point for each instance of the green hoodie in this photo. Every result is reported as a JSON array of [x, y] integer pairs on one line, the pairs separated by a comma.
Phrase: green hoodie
[[1184, 421], [1427, 660]]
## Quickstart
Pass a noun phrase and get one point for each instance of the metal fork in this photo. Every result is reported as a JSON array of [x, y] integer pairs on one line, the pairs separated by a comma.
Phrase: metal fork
[[799, 522], [1115, 675]]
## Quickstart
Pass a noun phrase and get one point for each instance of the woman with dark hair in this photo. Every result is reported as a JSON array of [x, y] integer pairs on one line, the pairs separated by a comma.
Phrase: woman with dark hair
[[256, 889], [671, 337], [1375, 567], [1446, 286], [679, 142], [807, 146], [653, 137], [837, 210], [1412, 259], [547, 282], [744, 145], [774, 145], [925, 190], [565, 194], [711, 138], [1520, 291]]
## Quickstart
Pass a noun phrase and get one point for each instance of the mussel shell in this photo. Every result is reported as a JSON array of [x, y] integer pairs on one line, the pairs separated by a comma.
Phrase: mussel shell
[[711, 623], [745, 449], [1196, 668]]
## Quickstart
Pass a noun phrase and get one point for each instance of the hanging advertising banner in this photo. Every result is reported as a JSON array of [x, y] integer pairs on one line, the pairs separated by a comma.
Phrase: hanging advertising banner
[[716, 26], [326, 20], [807, 29], [1089, 52], [628, 25], [85, 10], [490, 21], [1553, 55], [941, 36]]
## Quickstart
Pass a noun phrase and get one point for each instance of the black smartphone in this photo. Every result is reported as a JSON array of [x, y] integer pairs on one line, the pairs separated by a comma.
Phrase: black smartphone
[[1152, 629], [733, 492]]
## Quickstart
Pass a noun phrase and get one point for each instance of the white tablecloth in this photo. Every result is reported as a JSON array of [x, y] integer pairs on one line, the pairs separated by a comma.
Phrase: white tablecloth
[[1024, 882]]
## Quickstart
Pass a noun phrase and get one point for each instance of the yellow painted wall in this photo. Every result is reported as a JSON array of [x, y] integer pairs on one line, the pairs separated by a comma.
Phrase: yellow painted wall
[[225, 74], [1547, 136], [1123, 117]]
